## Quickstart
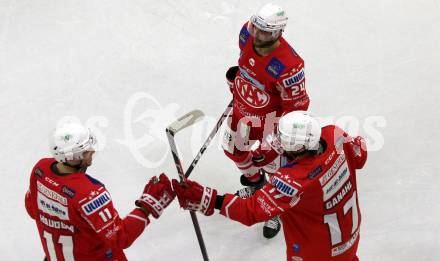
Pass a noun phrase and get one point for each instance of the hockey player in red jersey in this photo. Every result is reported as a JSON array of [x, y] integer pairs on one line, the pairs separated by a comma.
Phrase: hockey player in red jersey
[[74, 212], [313, 190], [267, 83]]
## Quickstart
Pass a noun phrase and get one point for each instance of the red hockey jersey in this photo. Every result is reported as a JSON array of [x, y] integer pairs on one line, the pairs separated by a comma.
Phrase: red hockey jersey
[[75, 216], [267, 84], [316, 198]]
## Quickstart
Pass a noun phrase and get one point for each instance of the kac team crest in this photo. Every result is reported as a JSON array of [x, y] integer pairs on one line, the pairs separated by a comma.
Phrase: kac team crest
[[251, 94]]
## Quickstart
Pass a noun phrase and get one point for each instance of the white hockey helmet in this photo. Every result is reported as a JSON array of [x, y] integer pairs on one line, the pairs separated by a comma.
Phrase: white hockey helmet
[[270, 18], [298, 130], [70, 140]]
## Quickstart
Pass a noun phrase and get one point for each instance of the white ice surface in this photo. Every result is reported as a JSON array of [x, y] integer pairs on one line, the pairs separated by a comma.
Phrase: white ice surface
[[89, 59]]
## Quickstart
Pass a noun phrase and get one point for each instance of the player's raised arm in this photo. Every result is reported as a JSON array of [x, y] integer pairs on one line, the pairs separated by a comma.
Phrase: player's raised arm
[[100, 213], [314, 191], [265, 204]]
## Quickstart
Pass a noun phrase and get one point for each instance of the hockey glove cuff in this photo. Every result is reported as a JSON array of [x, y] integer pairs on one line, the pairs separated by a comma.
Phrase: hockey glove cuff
[[230, 77], [195, 197]]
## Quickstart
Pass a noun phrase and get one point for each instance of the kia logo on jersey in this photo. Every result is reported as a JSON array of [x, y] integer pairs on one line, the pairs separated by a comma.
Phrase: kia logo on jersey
[[253, 96]]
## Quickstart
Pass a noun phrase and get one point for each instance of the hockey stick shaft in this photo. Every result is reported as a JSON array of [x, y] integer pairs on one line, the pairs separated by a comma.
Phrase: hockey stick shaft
[[185, 121], [209, 139], [179, 167]]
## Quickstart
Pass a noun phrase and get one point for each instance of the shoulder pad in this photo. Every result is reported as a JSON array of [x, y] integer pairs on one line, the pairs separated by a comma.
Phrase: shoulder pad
[[38, 172], [94, 181], [293, 77], [294, 53], [42, 165], [244, 35], [334, 135]]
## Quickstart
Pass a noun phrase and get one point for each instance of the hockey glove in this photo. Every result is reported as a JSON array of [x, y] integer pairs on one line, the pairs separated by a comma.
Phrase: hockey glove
[[157, 195], [358, 151], [195, 197], [230, 77]]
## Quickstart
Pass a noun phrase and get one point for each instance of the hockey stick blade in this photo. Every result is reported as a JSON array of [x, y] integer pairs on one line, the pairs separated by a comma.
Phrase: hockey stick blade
[[186, 120]]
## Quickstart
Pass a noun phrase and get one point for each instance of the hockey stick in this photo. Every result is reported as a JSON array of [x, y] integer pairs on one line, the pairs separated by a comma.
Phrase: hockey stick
[[209, 139], [183, 122]]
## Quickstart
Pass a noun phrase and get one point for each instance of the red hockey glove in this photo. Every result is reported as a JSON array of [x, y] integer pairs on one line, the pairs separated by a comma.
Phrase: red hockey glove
[[157, 195], [230, 77], [358, 149], [193, 196], [267, 152]]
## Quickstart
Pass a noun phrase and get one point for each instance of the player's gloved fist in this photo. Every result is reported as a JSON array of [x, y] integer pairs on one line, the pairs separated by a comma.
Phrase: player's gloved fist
[[157, 195], [359, 149], [195, 197], [257, 156], [230, 76], [268, 151]]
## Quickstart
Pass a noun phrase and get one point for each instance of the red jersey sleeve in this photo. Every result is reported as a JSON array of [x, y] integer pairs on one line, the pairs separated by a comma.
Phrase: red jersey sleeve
[[243, 37], [276, 197], [98, 210], [293, 92], [28, 205]]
